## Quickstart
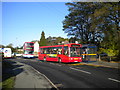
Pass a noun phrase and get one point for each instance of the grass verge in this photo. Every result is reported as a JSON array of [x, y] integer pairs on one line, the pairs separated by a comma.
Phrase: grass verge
[[9, 83]]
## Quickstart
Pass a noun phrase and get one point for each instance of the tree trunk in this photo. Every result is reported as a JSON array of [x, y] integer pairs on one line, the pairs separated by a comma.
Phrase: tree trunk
[[110, 59], [99, 58]]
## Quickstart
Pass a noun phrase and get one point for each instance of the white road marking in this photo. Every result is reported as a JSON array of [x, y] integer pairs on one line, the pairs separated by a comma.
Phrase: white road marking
[[80, 70], [114, 80]]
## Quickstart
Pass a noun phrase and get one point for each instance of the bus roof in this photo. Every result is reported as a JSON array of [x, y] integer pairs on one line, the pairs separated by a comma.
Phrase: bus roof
[[61, 45], [51, 46]]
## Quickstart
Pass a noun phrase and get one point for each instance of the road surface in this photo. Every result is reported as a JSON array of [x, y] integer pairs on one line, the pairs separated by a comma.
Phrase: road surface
[[82, 76]]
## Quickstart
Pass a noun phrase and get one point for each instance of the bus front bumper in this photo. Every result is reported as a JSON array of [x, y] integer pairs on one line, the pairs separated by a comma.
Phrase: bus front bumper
[[75, 59]]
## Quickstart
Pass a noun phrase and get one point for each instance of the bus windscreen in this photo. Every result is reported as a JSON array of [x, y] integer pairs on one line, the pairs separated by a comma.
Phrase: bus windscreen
[[75, 51]]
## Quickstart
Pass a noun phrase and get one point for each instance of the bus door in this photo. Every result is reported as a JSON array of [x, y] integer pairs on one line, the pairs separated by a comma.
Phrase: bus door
[[89, 53], [85, 54], [92, 53]]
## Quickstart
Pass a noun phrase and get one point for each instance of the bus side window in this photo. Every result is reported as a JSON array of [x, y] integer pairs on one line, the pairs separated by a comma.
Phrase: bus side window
[[58, 50], [44, 51], [41, 50], [65, 50], [54, 51], [47, 51]]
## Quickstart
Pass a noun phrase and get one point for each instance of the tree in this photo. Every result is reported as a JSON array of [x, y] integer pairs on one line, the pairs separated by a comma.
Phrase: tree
[[108, 24], [94, 22], [2, 46], [88, 21], [10, 46], [73, 39], [77, 23], [42, 39]]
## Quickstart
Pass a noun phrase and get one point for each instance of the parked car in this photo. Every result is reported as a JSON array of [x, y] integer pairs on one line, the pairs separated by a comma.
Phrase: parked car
[[18, 54]]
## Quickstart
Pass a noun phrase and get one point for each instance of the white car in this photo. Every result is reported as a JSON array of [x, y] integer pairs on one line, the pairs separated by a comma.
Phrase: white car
[[18, 55]]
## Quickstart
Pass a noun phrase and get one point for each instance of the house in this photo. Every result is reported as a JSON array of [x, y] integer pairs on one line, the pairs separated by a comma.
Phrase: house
[[36, 48]]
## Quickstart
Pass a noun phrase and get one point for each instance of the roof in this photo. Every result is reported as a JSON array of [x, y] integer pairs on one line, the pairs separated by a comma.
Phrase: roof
[[60, 45]]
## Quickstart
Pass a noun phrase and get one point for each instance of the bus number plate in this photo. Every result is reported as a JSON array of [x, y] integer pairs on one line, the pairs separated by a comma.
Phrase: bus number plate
[[75, 58]]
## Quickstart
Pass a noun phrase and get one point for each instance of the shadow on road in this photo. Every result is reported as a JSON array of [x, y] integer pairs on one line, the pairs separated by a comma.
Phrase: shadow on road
[[10, 69]]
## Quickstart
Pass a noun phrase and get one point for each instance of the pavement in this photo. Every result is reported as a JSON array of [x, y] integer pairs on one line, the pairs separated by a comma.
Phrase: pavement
[[101, 64], [31, 78]]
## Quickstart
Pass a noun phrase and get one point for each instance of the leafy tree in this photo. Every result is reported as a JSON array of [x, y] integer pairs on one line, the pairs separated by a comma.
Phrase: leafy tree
[[73, 39], [78, 21], [2, 46], [59, 40], [42, 39], [11, 46], [94, 22], [108, 24]]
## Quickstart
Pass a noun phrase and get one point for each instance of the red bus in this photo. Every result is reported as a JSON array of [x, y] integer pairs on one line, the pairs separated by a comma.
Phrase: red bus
[[61, 53], [28, 49]]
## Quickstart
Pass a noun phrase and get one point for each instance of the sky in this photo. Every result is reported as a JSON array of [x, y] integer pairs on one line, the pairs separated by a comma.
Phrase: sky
[[25, 21]]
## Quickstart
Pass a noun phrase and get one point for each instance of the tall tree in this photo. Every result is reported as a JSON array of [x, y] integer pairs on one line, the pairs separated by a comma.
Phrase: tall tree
[[78, 21], [109, 25], [87, 21], [95, 22], [42, 39]]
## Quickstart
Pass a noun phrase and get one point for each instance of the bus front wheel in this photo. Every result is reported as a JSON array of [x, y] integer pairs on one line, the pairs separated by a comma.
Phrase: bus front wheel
[[44, 59], [59, 60]]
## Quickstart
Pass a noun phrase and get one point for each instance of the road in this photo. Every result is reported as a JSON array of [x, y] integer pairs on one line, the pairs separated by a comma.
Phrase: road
[[82, 76]]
